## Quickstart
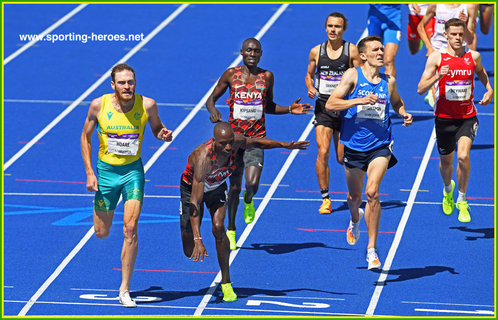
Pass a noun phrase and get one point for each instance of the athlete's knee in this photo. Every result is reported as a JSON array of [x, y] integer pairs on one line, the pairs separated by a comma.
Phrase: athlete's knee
[[354, 198], [463, 158], [234, 191], [218, 229], [130, 231], [101, 232], [323, 154], [372, 194]]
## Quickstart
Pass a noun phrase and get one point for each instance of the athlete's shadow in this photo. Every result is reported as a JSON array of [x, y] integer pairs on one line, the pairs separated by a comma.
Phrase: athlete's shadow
[[412, 273], [482, 146], [487, 233], [389, 204], [396, 118], [162, 295], [281, 248]]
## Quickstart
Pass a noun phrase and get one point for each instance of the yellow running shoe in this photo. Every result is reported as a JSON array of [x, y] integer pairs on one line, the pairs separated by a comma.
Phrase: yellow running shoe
[[429, 99], [464, 215], [448, 202], [326, 206], [249, 212], [231, 239], [228, 294]]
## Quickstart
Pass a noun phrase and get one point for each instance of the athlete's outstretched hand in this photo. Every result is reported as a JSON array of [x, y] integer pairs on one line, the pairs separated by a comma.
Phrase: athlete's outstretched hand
[[488, 96], [407, 119], [301, 145], [300, 108], [215, 116], [199, 251], [91, 183]]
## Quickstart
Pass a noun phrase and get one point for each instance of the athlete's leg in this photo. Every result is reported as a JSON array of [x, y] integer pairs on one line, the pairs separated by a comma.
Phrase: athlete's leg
[[487, 12], [414, 46], [375, 173], [222, 244], [390, 51], [354, 180], [339, 147], [323, 138], [446, 167], [463, 168], [233, 197], [253, 174], [132, 209], [102, 222]]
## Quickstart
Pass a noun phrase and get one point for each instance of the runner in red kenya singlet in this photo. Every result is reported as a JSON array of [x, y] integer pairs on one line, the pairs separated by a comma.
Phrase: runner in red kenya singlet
[[251, 96]]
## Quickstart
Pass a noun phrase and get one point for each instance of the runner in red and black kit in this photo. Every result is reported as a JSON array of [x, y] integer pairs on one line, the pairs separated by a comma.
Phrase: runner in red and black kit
[[453, 72], [251, 96], [327, 63], [203, 182]]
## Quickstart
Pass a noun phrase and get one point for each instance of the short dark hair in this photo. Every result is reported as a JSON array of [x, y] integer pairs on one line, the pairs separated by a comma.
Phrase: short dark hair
[[120, 67], [454, 22], [338, 15], [251, 39], [362, 45]]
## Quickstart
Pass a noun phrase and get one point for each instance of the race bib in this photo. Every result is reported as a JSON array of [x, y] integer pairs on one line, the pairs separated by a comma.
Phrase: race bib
[[440, 26], [125, 144], [248, 110], [376, 111], [458, 90], [328, 83]]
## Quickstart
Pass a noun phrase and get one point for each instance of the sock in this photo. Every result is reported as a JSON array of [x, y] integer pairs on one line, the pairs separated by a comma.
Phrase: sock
[[447, 189], [325, 193], [461, 196]]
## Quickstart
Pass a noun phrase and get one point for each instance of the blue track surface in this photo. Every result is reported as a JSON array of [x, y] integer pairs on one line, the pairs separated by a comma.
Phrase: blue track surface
[[294, 261]]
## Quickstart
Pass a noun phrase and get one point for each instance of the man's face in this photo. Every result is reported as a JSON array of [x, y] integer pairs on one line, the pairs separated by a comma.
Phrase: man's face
[[455, 35], [124, 85], [374, 53], [224, 144], [251, 53], [334, 28]]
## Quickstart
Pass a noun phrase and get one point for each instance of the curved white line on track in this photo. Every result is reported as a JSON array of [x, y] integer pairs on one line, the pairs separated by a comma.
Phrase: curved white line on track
[[85, 94], [90, 232], [44, 33]]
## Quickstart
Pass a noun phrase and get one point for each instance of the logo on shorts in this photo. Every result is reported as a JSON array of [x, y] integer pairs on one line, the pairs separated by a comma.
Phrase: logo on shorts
[[474, 129], [109, 115]]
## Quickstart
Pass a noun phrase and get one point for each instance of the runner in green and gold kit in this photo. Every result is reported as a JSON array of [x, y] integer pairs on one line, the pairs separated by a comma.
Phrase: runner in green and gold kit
[[120, 119]]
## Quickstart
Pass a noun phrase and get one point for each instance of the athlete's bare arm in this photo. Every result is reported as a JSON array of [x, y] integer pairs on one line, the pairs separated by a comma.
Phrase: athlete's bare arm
[[483, 77], [158, 128], [397, 103], [310, 74], [429, 14], [86, 143], [355, 56], [273, 108], [224, 82], [201, 166], [336, 100], [430, 75], [470, 31]]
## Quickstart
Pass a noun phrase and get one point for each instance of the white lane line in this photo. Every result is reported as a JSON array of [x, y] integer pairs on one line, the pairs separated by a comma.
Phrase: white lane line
[[401, 226], [457, 311], [255, 198], [450, 304], [91, 231], [94, 86], [249, 227], [44, 33]]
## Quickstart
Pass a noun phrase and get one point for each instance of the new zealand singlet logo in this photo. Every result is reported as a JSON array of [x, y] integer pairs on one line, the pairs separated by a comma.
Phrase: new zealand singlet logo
[[109, 115]]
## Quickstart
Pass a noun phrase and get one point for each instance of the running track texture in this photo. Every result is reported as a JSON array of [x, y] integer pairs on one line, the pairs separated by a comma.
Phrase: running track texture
[[291, 261]]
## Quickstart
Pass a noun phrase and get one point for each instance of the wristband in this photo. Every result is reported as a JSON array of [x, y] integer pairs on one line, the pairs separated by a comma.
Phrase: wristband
[[290, 111], [198, 238]]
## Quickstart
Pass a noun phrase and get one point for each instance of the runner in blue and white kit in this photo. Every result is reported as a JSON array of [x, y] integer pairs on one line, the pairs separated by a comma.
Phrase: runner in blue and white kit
[[364, 96]]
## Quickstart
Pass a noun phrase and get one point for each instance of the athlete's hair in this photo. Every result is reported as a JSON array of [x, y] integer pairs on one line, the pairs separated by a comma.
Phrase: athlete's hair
[[362, 45], [454, 22], [120, 67], [338, 15], [250, 39]]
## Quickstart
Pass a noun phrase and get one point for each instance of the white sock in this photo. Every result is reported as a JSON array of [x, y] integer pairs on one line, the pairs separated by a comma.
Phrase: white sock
[[461, 196], [447, 189]]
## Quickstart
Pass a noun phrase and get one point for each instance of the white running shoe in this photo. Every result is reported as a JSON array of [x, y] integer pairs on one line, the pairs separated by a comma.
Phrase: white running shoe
[[126, 300], [373, 259], [353, 232]]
